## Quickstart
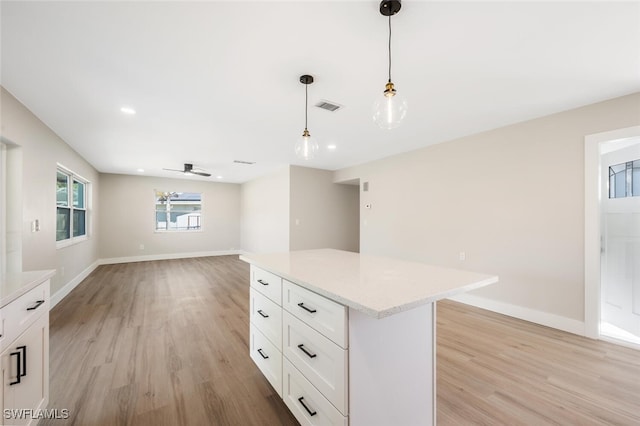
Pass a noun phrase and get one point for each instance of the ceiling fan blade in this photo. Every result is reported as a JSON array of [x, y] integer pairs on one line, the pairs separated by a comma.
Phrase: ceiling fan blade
[[201, 173], [174, 170]]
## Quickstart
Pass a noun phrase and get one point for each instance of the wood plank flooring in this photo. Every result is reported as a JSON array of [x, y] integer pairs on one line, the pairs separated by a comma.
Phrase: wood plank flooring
[[497, 370], [166, 343]]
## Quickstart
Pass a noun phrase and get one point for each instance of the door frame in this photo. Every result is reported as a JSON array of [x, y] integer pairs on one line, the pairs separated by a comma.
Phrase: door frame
[[592, 235]]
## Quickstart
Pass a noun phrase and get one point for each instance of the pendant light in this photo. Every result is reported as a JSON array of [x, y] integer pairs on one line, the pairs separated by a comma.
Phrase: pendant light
[[306, 147], [390, 109]]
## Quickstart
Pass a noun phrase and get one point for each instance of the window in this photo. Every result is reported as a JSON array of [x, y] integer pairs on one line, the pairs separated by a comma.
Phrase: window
[[71, 206], [178, 211], [624, 180]]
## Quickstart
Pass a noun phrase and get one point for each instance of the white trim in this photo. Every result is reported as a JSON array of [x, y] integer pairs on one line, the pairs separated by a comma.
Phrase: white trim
[[539, 317], [71, 173], [592, 236], [619, 342], [68, 287], [166, 256]]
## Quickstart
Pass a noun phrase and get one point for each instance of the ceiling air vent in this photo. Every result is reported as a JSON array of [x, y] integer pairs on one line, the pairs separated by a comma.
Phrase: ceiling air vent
[[329, 106], [244, 162]]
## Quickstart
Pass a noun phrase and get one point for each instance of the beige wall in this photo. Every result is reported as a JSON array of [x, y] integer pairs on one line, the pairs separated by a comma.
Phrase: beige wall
[[265, 213], [299, 208], [41, 150], [128, 215], [323, 214], [512, 199]]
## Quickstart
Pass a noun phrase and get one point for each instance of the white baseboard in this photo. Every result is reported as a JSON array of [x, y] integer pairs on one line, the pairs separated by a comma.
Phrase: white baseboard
[[531, 315], [145, 258], [64, 291]]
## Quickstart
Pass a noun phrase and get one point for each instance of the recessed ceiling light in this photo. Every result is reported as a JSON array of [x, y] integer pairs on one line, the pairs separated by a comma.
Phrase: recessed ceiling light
[[219, 177], [128, 110], [331, 147], [140, 170]]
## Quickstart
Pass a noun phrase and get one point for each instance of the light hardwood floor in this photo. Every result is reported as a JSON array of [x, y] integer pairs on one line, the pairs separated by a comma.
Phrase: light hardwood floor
[[166, 343]]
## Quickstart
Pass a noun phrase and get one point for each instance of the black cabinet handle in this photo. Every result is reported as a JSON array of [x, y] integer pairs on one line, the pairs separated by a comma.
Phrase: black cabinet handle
[[262, 282], [311, 413], [21, 365], [309, 354], [24, 359], [262, 314], [35, 305], [263, 355], [313, 311]]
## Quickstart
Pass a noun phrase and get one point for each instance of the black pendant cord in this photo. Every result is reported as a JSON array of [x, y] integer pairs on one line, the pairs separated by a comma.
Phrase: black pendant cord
[[306, 105], [389, 48]]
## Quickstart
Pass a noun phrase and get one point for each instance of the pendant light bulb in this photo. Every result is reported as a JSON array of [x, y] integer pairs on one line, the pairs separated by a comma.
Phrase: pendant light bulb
[[306, 147], [390, 109]]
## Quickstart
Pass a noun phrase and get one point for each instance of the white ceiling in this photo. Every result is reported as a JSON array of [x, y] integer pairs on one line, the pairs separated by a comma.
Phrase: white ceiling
[[213, 82]]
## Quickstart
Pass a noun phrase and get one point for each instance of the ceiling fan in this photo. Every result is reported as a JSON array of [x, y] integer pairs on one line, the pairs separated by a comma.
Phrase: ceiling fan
[[189, 170]]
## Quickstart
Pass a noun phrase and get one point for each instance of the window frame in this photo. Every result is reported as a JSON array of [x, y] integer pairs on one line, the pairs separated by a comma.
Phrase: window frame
[[628, 186], [174, 231], [73, 177]]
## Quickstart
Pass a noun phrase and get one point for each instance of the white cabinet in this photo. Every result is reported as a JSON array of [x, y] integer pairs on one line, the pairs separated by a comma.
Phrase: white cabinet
[[358, 333], [24, 361], [267, 357], [265, 332], [306, 403], [267, 283], [319, 359], [323, 315], [306, 357], [266, 316]]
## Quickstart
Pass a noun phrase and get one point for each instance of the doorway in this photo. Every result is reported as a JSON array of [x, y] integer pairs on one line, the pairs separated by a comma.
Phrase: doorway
[[620, 248], [612, 236]]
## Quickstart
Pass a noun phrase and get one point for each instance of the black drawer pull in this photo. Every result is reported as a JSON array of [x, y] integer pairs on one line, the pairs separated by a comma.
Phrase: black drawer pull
[[35, 305], [263, 283], [311, 413], [309, 354], [21, 365], [313, 311], [263, 355], [262, 314]]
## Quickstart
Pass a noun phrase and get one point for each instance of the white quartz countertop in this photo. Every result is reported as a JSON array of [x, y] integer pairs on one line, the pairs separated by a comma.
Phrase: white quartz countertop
[[17, 284], [374, 285]]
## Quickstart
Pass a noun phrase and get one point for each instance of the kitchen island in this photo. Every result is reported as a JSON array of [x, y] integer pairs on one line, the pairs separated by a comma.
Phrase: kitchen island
[[347, 338]]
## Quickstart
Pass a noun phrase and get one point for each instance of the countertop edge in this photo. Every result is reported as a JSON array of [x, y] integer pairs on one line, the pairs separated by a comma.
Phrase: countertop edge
[[29, 280]]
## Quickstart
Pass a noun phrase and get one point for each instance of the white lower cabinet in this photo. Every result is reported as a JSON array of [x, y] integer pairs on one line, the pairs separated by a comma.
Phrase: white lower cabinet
[[306, 403], [24, 361], [25, 376], [320, 360], [267, 357], [306, 358]]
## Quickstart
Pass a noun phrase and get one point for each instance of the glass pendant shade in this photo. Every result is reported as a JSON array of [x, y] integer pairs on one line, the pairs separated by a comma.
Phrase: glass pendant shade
[[389, 110], [306, 147]]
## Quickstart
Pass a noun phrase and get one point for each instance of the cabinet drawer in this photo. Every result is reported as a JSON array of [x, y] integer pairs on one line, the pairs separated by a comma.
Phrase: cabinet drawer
[[25, 370], [266, 316], [305, 402], [321, 361], [267, 357], [324, 315], [267, 283], [18, 315]]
